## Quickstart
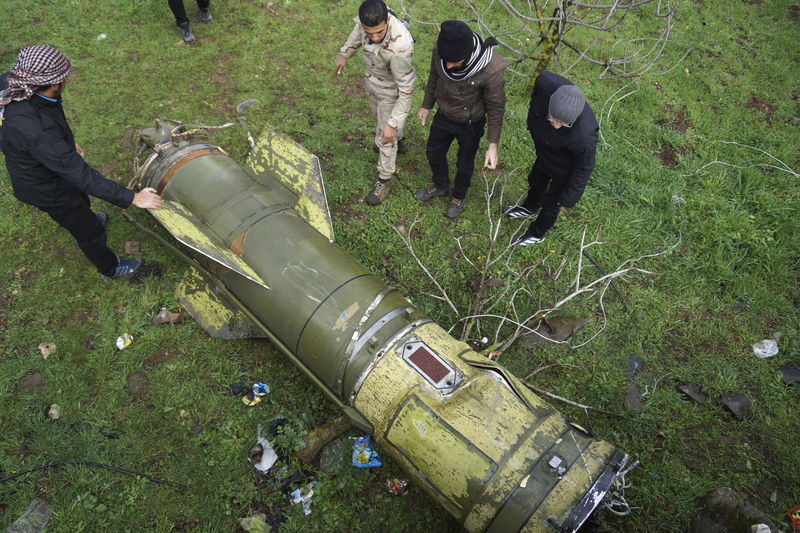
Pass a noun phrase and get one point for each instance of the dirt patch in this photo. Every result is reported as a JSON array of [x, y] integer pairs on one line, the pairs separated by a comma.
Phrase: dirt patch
[[669, 155], [108, 169], [763, 105], [162, 356], [676, 119], [136, 386], [130, 139], [793, 12], [348, 212]]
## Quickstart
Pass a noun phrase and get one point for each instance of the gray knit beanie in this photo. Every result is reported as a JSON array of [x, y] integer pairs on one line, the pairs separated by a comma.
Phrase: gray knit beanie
[[566, 103]]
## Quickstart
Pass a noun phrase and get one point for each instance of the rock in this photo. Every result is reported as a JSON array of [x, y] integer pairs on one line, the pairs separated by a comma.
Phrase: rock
[[791, 372], [54, 411], [736, 403], [89, 342], [633, 398], [47, 349], [693, 392], [556, 329], [725, 512], [165, 316]]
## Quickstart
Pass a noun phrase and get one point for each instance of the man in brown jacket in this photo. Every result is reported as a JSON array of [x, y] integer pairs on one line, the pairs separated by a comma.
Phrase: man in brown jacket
[[467, 81], [390, 80]]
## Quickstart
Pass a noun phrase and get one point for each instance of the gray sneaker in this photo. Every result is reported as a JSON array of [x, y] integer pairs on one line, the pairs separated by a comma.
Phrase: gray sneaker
[[379, 193], [455, 208], [205, 14], [186, 32], [431, 191]]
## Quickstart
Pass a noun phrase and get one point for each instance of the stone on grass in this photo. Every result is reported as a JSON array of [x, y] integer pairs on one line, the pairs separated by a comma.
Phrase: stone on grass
[[724, 511], [556, 329], [131, 248], [635, 366], [736, 403], [136, 386], [791, 372], [31, 382], [693, 392]]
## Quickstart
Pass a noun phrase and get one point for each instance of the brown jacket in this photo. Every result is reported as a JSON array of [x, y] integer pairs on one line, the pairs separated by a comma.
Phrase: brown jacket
[[469, 100]]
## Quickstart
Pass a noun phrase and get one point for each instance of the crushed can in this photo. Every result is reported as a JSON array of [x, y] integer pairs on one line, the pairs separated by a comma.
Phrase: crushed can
[[124, 340]]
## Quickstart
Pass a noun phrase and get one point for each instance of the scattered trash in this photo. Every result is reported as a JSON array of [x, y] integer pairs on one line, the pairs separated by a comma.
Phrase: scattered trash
[[364, 454], [33, 520], [693, 391], [256, 523], [260, 389], [791, 372], [794, 518], [760, 528], [633, 398], [397, 487], [262, 456], [124, 340], [47, 349], [89, 342], [304, 498], [736, 403], [765, 348], [101, 36], [238, 389], [131, 248], [549, 330], [165, 316], [54, 411], [635, 366]]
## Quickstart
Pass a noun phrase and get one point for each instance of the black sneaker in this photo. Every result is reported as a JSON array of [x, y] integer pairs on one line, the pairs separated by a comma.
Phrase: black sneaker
[[526, 240], [431, 191], [186, 32], [125, 267], [205, 14], [517, 211]]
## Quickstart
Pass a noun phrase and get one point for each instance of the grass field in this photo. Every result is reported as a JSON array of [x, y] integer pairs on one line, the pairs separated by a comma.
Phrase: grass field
[[697, 174]]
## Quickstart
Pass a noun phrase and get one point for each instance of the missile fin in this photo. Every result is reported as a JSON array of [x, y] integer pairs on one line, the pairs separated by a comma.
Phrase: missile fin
[[276, 156], [188, 229], [212, 311]]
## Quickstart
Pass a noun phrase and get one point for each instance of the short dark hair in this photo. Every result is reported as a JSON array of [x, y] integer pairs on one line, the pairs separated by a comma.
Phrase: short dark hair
[[373, 12]]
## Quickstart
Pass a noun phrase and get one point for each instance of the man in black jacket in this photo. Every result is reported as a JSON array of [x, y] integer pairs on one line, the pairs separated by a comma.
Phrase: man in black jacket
[[564, 132], [46, 167]]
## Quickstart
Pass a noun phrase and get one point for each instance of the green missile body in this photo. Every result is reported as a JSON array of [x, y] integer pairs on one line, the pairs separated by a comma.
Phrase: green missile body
[[492, 453]]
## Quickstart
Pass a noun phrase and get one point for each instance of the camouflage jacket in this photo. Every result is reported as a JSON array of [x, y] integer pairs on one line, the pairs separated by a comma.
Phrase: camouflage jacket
[[390, 76]]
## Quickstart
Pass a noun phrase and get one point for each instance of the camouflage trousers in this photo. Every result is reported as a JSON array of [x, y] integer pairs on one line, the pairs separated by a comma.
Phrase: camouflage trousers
[[382, 106]]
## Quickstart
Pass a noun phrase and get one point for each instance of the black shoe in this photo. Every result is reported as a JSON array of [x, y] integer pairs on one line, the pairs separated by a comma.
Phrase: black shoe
[[455, 208], [186, 32], [431, 191], [526, 240], [205, 14], [517, 211]]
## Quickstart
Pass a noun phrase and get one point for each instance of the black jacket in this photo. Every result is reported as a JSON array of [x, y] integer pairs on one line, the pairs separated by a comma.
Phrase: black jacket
[[46, 170], [565, 154]]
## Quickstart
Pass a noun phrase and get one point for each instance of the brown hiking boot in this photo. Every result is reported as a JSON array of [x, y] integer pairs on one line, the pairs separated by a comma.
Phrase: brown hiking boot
[[379, 193]]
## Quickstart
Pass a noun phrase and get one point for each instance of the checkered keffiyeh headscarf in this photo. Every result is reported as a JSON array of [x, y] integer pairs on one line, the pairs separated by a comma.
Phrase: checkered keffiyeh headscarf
[[37, 66]]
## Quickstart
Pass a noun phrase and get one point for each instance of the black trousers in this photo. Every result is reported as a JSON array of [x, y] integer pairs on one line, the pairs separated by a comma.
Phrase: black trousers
[[443, 131], [88, 232], [180, 12], [543, 192]]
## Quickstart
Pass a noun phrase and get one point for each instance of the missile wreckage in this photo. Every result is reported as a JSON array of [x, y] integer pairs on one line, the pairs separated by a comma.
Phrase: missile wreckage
[[488, 450]]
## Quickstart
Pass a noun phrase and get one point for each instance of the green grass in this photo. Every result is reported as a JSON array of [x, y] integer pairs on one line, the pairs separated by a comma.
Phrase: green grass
[[731, 281]]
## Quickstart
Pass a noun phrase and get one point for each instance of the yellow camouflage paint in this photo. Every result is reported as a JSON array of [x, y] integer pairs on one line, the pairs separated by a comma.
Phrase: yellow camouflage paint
[[187, 229], [277, 156]]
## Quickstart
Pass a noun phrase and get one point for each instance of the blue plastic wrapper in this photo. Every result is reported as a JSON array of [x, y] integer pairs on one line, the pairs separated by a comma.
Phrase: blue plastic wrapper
[[364, 455]]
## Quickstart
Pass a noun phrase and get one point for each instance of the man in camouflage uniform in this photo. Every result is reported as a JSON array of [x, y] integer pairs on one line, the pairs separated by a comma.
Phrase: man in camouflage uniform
[[390, 79]]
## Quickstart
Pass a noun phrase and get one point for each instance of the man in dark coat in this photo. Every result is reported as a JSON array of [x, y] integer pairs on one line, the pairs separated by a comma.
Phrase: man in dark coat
[[564, 132], [47, 168], [467, 81]]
